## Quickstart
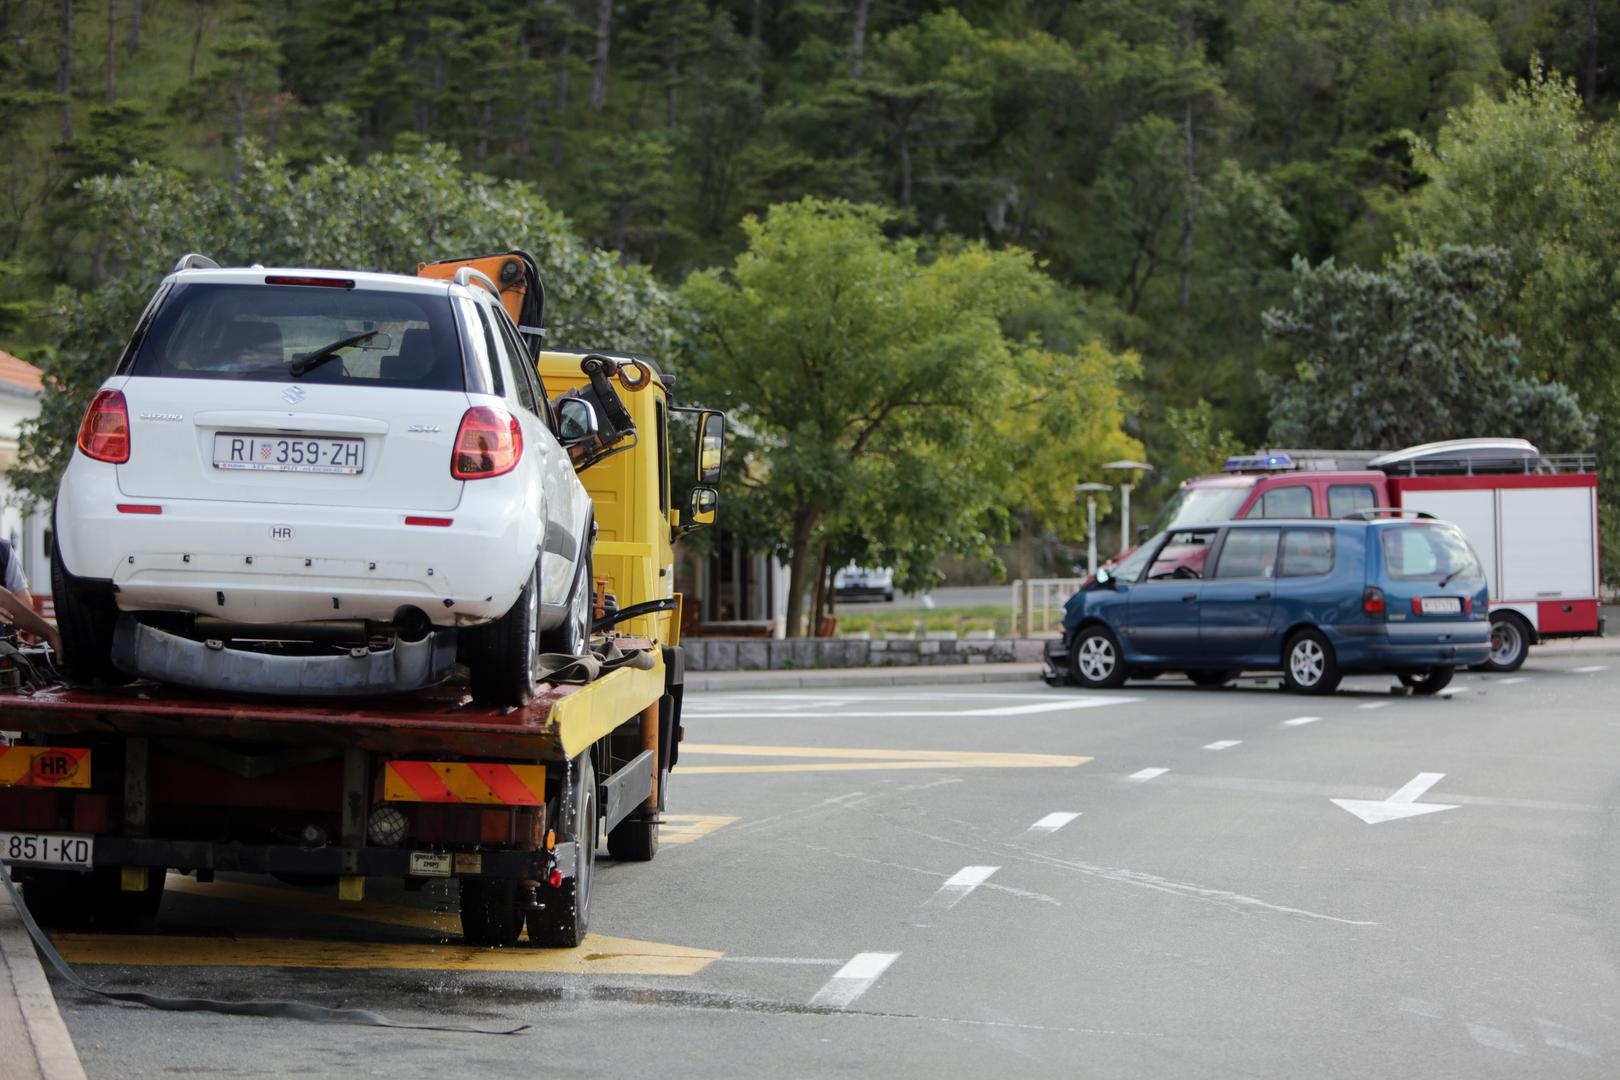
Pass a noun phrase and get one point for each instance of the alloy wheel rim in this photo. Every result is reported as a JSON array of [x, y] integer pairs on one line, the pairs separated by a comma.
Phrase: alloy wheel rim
[[1306, 662], [1096, 658]]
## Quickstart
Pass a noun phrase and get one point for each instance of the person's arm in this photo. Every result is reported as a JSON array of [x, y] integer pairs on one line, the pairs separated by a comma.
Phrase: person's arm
[[23, 615]]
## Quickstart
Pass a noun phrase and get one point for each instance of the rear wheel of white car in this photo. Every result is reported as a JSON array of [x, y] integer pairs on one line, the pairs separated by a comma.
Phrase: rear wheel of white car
[[505, 659], [86, 620], [573, 637]]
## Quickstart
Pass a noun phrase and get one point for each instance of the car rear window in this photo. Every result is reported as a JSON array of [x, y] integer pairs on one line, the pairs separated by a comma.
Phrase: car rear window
[[255, 332], [1428, 551]]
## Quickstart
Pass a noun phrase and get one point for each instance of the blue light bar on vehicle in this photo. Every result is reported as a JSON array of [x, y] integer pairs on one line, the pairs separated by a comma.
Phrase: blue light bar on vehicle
[[1258, 462]]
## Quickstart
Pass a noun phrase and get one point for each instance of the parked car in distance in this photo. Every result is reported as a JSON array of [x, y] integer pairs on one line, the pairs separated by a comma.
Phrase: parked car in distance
[[319, 482], [864, 583], [1376, 591]]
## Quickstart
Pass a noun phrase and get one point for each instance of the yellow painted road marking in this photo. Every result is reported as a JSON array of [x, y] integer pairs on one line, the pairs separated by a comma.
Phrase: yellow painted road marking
[[833, 759], [600, 955], [685, 828]]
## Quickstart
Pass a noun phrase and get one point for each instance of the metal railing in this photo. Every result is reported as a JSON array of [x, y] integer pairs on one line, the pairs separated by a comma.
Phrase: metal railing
[[1046, 599]]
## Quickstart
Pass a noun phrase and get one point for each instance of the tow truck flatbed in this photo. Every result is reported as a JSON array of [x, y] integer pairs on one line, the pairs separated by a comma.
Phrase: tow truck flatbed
[[562, 720]]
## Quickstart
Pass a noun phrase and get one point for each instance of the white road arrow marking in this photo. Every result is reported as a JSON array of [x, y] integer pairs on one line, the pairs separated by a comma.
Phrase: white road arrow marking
[[1402, 804]]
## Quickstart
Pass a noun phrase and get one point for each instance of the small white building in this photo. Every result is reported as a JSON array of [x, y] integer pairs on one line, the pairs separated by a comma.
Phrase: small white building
[[21, 388]]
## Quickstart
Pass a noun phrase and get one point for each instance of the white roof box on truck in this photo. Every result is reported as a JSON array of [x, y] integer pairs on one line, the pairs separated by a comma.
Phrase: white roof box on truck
[[1462, 456]]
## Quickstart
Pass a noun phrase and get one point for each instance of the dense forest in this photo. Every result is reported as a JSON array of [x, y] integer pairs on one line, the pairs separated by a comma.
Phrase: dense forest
[[1283, 218]]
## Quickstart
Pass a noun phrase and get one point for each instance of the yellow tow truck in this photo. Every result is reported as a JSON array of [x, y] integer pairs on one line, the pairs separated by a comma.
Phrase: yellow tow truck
[[107, 791]]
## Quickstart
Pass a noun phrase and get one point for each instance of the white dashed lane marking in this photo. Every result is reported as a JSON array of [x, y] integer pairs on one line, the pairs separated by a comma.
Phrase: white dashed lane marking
[[1053, 822], [959, 884], [1369, 705], [1512, 681], [853, 979], [1224, 744], [1146, 774], [1298, 720], [1590, 669]]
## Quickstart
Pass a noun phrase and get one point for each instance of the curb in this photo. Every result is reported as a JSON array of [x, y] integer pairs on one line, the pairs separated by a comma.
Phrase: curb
[[833, 678], [39, 1046]]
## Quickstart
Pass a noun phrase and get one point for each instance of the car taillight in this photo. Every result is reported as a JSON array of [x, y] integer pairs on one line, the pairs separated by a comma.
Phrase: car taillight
[[1372, 601], [489, 443], [104, 435]]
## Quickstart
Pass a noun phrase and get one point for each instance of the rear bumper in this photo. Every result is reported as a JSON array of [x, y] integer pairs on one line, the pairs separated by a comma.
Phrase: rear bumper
[[1397, 646], [169, 658]]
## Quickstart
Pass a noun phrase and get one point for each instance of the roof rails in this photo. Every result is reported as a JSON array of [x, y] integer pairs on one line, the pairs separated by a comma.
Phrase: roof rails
[[194, 261], [1376, 512], [466, 275]]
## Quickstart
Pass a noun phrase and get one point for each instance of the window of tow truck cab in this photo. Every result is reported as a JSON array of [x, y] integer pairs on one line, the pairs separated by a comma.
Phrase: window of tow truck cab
[[1428, 551], [258, 332], [1196, 505]]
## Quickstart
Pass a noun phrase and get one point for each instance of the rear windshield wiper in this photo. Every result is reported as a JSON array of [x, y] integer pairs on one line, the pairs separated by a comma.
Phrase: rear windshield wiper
[[1447, 579], [310, 361]]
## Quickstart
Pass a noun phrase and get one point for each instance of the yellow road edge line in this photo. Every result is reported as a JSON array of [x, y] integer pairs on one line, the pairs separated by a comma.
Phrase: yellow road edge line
[[599, 955]]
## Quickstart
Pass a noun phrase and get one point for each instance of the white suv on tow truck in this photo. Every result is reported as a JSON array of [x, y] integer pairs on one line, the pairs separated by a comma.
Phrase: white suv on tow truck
[[319, 482]]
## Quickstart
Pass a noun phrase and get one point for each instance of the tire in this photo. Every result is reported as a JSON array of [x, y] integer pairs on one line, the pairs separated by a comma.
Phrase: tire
[[1211, 677], [562, 922], [113, 909], [505, 657], [58, 898], [1510, 644], [86, 621], [635, 839], [573, 637], [490, 914], [1308, 664], [1427, 681], [1094, 659]]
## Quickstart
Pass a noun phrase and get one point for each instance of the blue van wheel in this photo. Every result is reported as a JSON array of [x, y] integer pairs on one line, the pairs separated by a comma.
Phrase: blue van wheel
[[1309, 666], [1095, 661]]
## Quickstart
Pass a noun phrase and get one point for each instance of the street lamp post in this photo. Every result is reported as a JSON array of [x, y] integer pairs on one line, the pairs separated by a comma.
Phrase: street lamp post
[[1130, 469], [1091, 490]]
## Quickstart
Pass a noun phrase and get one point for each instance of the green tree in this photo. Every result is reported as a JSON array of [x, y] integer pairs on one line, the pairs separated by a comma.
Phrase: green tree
[[882, 388], [1400, 355]]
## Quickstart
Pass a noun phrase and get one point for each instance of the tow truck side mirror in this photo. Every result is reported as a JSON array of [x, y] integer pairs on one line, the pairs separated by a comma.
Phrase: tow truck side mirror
[[705, 501], [576, 421], [711, 444]]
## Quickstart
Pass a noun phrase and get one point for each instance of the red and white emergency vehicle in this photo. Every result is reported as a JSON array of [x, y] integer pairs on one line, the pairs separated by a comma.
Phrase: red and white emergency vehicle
[[1532, 518]]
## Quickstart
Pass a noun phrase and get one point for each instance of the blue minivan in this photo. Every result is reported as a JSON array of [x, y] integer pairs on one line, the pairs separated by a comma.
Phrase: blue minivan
[[1377, 591]]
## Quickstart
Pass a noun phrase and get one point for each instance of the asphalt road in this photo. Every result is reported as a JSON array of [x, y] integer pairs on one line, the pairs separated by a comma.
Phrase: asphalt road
[[1002, 880]]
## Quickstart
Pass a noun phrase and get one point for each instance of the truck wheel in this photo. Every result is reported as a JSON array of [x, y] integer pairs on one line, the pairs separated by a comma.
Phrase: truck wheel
[[573, 637], [1428, 681], [561, 923], [58, 898], [1309, 666], [86, 620], [1094, 660], [505, 658], [114, 909], [635, 839], [1510, 644], [489, 911]]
